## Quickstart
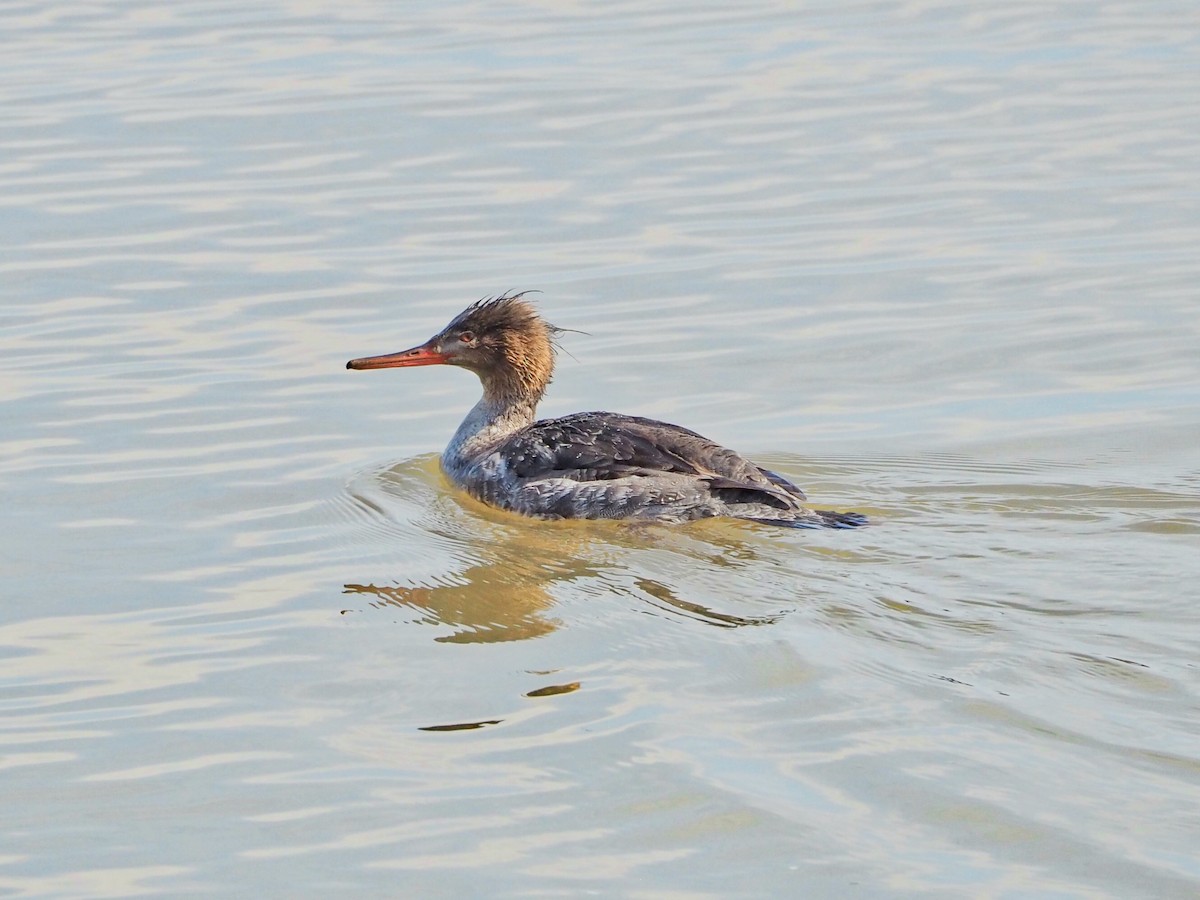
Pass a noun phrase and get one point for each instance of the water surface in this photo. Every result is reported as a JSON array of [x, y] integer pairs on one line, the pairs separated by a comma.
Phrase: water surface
[[934, 262]]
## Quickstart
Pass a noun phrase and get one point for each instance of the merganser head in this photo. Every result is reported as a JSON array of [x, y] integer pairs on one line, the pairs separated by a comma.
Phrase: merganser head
[[501, 339]]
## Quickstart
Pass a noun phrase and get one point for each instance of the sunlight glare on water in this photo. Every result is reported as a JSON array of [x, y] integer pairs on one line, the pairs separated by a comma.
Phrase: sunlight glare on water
[[936, 262]]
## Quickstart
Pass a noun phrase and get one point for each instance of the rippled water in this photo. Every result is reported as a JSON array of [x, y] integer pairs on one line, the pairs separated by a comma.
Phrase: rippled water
[[934, 261]]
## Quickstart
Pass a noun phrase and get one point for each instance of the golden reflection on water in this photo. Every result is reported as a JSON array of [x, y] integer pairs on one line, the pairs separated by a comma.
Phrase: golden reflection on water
[[513, 565], [482, 609]]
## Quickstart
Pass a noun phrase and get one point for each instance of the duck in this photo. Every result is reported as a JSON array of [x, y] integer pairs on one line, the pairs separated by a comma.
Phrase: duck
[[587, 465]]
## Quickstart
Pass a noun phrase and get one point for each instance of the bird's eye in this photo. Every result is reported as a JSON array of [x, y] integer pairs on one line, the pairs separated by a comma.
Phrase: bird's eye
[[467, 337]]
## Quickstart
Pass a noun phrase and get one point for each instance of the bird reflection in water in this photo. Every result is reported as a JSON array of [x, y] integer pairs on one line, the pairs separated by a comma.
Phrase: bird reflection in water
[[518, 566], [486, 611], [665, 598], [482, 607]]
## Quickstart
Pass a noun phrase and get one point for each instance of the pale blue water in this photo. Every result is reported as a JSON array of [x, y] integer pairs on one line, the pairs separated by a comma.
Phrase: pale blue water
[[936, 262]]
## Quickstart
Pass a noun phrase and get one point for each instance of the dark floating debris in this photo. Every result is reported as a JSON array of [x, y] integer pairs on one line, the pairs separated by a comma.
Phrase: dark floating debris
[[462, 726], [551, 689]]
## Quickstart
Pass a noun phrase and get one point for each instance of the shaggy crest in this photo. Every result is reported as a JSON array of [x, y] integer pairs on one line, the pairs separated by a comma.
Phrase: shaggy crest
[[510, 327], [507, 310]]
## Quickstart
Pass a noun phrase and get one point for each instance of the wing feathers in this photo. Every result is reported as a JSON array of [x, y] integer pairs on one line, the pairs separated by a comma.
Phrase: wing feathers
[[600, 446]]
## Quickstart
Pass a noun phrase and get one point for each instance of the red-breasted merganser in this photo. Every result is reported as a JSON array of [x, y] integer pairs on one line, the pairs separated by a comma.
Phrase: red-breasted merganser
[[592, 465]]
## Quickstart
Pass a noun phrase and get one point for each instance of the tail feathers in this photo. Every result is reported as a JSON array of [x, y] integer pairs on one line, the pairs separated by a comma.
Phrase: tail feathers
[[821, 518], [841, 519]]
